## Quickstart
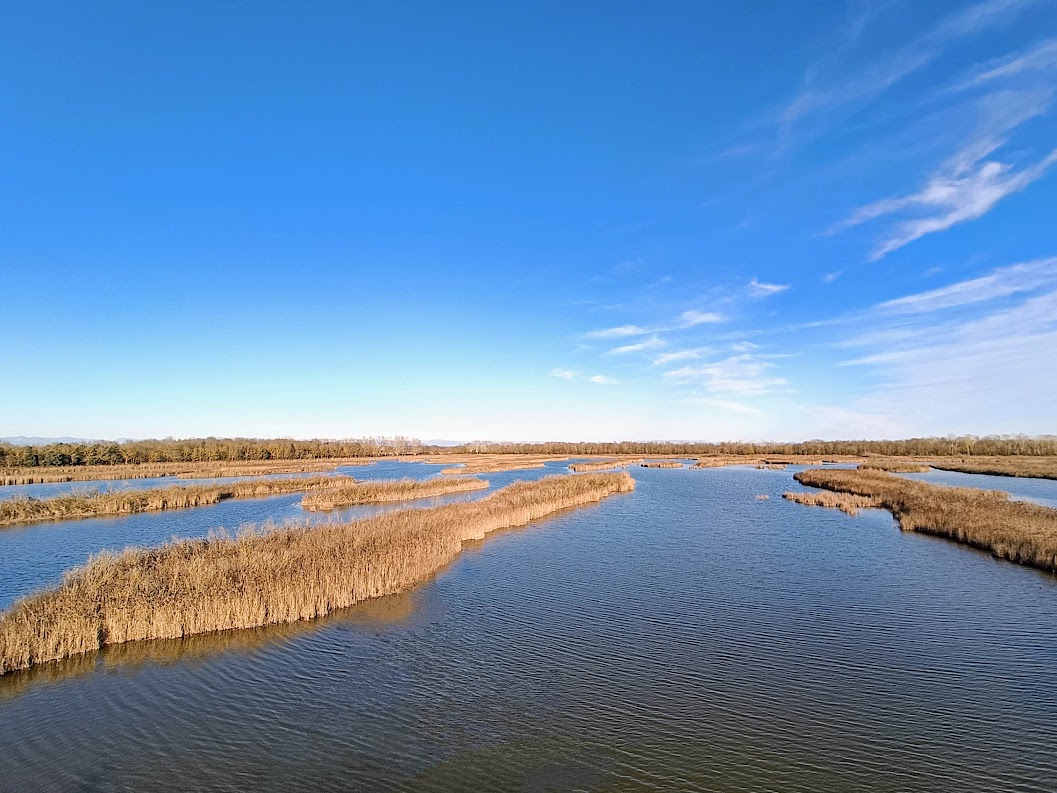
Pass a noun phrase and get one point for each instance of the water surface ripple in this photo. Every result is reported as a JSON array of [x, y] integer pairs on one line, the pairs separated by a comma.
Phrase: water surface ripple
[[684, 637]]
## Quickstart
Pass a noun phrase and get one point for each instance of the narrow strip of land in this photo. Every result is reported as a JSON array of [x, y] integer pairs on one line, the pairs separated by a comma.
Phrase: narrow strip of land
[[1016, 530], [99, 503], [386, 490], [200, 470], [260, 578], [604, 465]]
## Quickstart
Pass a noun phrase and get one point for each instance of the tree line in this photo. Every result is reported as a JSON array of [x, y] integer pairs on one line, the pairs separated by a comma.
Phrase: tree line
[[238, 449], [951, 445]]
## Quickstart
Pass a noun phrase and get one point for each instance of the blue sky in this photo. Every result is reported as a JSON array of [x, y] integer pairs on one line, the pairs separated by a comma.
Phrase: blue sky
[[529, 221]]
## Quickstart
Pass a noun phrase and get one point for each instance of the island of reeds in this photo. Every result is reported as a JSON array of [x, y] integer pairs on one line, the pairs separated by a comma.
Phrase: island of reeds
[[269, 576], [322, 493], [661, 464], [604, 465], [987, 519], [97, 503], [347, 495]]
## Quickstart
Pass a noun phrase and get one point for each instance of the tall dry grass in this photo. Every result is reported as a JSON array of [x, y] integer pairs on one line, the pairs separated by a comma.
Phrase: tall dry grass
[[986, 519], [471, 469], [845, 502], [203, 470], [96, 503], [1033, 467], [661, 464], [604, 465], [267, 577], [386, 490], [896, 466]]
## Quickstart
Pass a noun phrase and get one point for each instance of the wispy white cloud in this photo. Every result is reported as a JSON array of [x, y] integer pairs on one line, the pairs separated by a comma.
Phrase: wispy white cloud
[[761, 289], [688, 319], [1002, 282], [880, 76], [967, 186], [693, 318], [652, 343], [726, 404], [742, 375], [620, 332], [1041, 57], [829, 278], [744, 346], [679, 355], [601, 379], [563, 374]]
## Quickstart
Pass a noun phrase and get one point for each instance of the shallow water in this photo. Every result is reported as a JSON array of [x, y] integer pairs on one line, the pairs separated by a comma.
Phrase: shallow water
[[685, 636]]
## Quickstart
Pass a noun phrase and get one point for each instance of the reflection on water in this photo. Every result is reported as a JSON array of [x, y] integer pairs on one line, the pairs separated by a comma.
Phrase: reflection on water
[[686, 636]]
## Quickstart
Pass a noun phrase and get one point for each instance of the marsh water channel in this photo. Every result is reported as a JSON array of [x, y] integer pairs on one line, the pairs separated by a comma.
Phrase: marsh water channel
[[687, 636]]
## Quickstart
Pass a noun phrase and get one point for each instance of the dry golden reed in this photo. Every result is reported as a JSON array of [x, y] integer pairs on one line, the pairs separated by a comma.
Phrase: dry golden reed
[[492, 468], [127, 502], [845, 502], [661, 464], [896, 466], [604, 465], [386, 490], [1034, 467], [987, 519], [267, 577], [200, 470]]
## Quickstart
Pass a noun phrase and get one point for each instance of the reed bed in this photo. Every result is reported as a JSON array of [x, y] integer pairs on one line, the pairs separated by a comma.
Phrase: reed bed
[[987, 519], [97, 503], [386, 490], [845, 502], [491, 468], [267, 576], [661, 464], [605, 465], [1031, 467], [772, 466], [203, 470], [896, 466], [712, 462]]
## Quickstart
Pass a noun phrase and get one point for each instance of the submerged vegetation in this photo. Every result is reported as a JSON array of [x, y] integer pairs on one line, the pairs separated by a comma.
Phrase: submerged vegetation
[[986, 519], [271, 576], [347, 495], [604, 465], [127, 502]]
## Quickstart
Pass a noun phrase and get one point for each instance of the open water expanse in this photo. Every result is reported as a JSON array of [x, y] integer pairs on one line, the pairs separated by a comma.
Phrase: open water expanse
[[687, 636]]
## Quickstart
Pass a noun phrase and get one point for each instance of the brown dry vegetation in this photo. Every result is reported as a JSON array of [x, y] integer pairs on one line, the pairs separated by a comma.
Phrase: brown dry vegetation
[[604, 465], [492, 467], [268, 577], [986, 519], [1034, 467], [661, 464], [387, 490], [896, 466], [95, 503], [845, 502], [772, 466], [203, 470]]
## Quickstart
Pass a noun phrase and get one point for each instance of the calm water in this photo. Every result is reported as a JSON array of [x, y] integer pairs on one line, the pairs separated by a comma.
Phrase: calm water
[[684, 637]]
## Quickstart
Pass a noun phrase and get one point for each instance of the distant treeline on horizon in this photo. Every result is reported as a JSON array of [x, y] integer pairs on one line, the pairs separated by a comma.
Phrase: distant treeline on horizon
[[200, 450]]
